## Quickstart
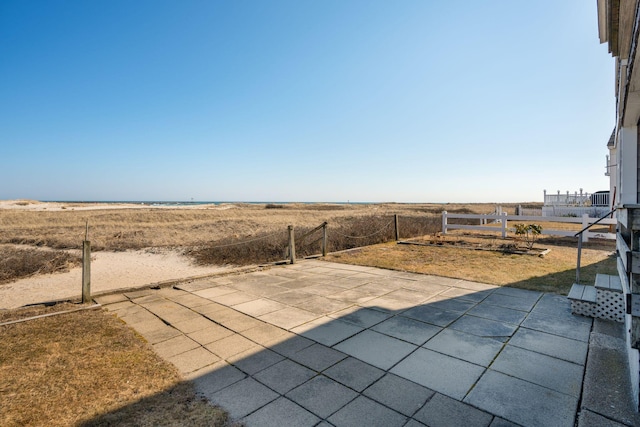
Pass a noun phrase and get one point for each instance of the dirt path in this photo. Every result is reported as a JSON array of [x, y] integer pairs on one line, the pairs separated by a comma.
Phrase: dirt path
[[109, 271]]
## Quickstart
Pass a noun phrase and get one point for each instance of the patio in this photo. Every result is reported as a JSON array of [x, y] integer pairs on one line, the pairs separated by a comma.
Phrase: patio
[[317, 342]]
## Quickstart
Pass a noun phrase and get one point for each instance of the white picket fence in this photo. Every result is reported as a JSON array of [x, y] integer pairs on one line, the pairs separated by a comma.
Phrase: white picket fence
[[503, 219]]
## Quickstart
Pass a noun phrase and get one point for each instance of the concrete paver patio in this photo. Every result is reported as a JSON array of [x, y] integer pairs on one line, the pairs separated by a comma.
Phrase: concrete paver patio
[[349, 345]]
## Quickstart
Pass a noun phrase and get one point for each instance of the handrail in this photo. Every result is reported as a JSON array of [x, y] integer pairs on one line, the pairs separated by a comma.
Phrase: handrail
[[579, 235], [595, 222]]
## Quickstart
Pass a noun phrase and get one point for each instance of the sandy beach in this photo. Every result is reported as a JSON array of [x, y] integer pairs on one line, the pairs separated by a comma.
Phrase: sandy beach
[[109, 271]]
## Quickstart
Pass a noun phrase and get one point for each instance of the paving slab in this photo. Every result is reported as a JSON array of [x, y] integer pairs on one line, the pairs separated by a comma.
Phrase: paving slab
[[193, 360], [353, 296], [327, 331], [230, 346], [408, 295], [551, 345], [366, 412], [387, 305], [376, 349], [451, 304], [264, 333], [587, 418], [471, 348], [193, 325], [284, 376], [508, 301], [465, 294], [500, 422], [556, 374], [514, 399], [354, 373], [500, 314], [259, 307], [289, 344], [362, 317], [291, 297], [163, 333], [281, 412], [191, 300], [244, 397], [407, 329], [483, 327], [235, 298], [466, 284], [210, 334], [288, 317], [525, 294], [215, 291], [441, 411], [321, 305], [255, 359], [432, 315], [318, 357], [174, 346], [209, 309], [444, 374], [235, 321], [574, 329], [214, 378], [399, 394], [322, 396], [324, 289], [554, 305]]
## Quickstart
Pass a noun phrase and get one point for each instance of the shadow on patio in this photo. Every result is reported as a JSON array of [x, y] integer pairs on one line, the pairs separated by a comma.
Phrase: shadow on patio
[[314, 341]]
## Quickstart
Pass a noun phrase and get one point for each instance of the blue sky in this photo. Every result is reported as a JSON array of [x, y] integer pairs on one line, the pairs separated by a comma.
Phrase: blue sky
[[332, 100]]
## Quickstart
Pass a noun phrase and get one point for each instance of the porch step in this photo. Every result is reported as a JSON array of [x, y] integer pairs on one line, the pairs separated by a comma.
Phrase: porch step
[[583, 300], [605, 300]]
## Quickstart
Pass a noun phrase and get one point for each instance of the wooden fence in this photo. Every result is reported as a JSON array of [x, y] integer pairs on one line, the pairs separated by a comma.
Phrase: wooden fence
[[499, 223]]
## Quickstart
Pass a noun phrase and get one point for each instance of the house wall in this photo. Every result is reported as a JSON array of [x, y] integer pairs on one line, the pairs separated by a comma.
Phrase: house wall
[[628, 165]]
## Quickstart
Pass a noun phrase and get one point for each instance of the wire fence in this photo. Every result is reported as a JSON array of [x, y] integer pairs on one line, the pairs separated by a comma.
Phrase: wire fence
[[347, 233]]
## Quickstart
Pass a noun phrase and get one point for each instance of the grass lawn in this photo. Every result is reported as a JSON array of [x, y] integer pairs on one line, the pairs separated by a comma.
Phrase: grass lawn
[[554, 272], [88, 368]]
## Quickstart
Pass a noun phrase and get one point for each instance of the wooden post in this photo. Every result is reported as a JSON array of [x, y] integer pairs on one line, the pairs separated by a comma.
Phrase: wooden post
[[395, 220], [504, 225], [585, 222], [444, 222], [324, 239], [292, 245], [86, 272]]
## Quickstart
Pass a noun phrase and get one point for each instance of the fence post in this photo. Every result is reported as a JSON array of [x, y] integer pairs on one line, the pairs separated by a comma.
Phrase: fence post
[[395, 220], [86, 272], [444, 222], [585, 222], [504, 225], [292, 245], [324, 239]]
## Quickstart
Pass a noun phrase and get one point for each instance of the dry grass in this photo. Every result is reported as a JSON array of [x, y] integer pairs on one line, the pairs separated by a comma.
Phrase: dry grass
[[142, 228], [553, 273], [19, 262], [87, 368]]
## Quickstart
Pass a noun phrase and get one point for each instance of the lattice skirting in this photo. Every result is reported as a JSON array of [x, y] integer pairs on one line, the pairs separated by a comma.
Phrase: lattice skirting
[[610, 305], [583, 308]]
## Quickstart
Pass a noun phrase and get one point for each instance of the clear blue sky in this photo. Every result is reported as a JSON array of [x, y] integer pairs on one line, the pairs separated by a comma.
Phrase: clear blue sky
[[332, 100]]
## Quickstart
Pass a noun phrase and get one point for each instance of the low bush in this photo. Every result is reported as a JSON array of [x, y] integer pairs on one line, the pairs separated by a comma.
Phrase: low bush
[[16, 263]]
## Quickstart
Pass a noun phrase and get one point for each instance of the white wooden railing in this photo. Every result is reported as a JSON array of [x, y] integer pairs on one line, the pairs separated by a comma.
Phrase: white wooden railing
[[500, 224]]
